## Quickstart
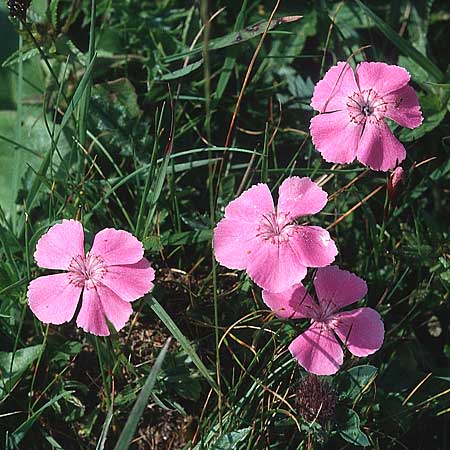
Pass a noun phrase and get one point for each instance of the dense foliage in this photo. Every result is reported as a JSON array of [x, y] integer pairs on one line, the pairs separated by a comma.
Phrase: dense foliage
[[144, 116]]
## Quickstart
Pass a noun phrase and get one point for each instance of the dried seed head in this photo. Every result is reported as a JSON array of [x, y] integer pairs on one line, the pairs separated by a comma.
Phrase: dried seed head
[[316, 400], [18, 8]]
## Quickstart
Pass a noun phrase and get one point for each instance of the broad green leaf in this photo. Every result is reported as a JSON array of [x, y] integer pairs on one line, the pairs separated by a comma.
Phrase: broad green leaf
[[35, 134], [21, 360], [359, 378], [351, 431], [138, 408], [121, 92], [228, 441]]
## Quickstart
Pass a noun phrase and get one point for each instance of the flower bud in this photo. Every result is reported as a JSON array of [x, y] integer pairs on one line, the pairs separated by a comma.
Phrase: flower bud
[[396, 184]]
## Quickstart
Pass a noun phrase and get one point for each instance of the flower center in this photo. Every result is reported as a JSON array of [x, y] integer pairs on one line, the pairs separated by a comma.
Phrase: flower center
[[86, 270], [275, 228], [366, 105], [324, 312]]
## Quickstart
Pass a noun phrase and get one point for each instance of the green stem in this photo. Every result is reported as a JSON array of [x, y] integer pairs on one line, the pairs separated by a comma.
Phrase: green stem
[[103, 373]]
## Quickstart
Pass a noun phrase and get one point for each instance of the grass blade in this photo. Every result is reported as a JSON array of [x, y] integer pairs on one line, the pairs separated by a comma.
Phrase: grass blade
[[130, 427], [402, 44], [179, 336], [102, 440]]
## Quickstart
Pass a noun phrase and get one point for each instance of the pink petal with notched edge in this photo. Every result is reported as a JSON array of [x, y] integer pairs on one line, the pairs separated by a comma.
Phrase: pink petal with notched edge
[[338, 286], [300, 197], [335, 136], [314, 246], [330, 93], [56, 248], [404, 108], [317, 350], [275, 266], [130, 282], [251, 205], [117, 247], [53, 298], [92, 316], [379, 149], [233, 242], [293, 303], [117, 311], [361, 330], [381, 77]]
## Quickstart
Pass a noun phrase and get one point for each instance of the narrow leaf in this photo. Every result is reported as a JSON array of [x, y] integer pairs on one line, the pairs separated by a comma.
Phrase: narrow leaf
[[138, 409]]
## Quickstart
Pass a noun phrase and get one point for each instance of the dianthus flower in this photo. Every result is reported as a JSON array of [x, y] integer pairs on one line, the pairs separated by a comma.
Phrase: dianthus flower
[[317, 349], [267, 242], [353, 107], [111, 275]]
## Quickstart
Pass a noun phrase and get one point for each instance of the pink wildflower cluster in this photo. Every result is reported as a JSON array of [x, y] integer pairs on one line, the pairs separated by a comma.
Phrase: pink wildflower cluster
[[271, 243], [110, 276], [275, 250]]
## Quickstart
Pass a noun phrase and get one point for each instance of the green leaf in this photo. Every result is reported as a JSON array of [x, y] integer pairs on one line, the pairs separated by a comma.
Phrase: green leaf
[[434, 113], [34, 133], [237, 37], [138, 409], [180, 337], [228, 441], [181, 72], [16, 437], [402, 44], [78, 94], [105, 428], [360, 377], [351, 431], [21, 360]]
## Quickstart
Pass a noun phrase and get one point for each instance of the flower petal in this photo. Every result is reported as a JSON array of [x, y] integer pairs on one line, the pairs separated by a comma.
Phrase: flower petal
[[92, 316], [381, 77], [335, 136], [317, 350], [361, 330], [53, 298], [251, 205], [330, 93], [404, 108], [275, 266], [379, 149], [131, 281], [300, 197], [56, 248], [233, 242], [338, 286], [117, 311], [117, 247], [314, 246], [293, 303]]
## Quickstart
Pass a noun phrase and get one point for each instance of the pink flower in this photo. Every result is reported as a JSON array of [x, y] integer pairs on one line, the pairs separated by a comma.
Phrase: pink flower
[[352, 109], [317, 349], [266, 242], [113, 274]]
